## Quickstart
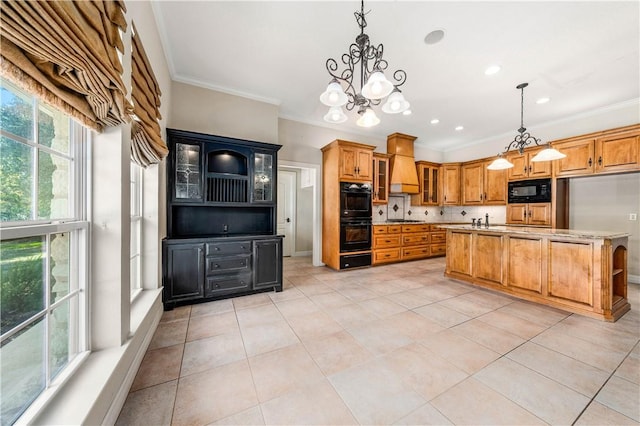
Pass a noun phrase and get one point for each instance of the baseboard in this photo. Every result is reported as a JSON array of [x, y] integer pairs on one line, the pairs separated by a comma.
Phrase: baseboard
[[121, 395], [635, 279], [302, 253]]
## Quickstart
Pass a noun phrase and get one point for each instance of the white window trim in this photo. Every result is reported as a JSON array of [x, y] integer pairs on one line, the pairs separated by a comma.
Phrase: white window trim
[[139, 219]]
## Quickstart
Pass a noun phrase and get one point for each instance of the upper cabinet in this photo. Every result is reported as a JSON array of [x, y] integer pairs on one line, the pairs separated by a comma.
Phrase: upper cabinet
[[429, 178], [380, 178], [262, 177], [611, 152], [355, 163], [188, 172], [481, 186], [524, 168], [451, 184]]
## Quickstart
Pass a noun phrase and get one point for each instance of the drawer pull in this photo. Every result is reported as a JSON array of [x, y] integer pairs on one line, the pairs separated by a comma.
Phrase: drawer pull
[[216, 266], [217, 248], [242, 247], [387, 241]]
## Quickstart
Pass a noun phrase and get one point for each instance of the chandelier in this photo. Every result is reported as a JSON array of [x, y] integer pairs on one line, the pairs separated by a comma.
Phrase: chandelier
[[373, 86], [522, 140]]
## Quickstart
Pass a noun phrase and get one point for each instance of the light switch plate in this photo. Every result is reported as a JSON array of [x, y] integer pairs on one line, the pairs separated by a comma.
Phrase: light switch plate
[[633, 216]]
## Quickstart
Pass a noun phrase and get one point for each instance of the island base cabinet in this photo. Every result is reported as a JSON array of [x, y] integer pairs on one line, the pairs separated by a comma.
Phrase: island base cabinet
[[587, 276], [525, 264]]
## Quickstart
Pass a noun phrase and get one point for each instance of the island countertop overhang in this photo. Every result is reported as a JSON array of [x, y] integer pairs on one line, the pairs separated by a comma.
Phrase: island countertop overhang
[[539, 231]]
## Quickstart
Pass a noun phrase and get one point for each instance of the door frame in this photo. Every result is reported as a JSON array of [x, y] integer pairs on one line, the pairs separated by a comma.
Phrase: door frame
[[315, 172]]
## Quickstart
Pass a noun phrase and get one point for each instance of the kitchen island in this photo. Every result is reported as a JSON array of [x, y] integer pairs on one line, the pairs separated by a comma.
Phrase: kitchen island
[[584, 272]]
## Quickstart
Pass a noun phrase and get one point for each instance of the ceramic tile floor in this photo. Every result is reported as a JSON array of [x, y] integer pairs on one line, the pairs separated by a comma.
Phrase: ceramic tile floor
[[398, 344]]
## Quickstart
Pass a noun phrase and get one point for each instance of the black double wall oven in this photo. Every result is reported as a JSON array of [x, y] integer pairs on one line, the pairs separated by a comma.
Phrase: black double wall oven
[[355, 224]]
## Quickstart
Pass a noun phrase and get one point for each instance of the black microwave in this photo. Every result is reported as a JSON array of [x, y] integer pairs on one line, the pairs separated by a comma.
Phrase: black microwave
[[530, 191]]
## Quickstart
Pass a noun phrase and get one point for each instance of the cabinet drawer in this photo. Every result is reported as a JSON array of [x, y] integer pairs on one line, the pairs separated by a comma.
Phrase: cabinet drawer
[[386, 255], [228, 264], [379, 229], [383, 241], [436, 228], [438, 249], [415, 252], [227, 284], [415, 239], [438, 237], [415, 228], [232, 247], [394, 229]]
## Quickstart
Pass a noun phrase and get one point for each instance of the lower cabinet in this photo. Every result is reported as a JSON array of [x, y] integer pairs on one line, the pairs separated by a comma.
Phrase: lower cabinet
[[209, 268], [394, 243]]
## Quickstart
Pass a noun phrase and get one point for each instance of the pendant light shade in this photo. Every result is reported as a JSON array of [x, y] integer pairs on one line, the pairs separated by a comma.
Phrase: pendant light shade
[[396, 103], [500, 163], [548, 154], [377, 86], [335, 115], [368, 119], [334, 95]]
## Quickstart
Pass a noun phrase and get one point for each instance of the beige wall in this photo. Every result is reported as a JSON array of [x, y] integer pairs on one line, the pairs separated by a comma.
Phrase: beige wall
[[603, 203], [208, 111]]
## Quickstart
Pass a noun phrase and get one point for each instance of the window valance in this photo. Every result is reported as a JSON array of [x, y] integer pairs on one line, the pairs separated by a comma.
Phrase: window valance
[[66, 53], [147, 146]]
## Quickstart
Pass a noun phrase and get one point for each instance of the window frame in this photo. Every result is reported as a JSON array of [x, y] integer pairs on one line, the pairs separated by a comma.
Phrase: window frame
[[77, 225], [137, 223]]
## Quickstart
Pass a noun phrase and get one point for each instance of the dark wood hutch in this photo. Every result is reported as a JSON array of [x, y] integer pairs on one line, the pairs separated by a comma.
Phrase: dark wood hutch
[[221, 218]]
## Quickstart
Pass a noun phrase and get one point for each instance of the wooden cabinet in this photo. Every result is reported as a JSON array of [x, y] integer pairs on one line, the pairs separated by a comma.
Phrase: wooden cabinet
[[524, 168], [451, 184], [429, 178], [472, 183], [608, 152], [481, 186], [538, 214], [356, 163], [380, 178], [394, 243], [221, 200], [343, 161], [569, 270]]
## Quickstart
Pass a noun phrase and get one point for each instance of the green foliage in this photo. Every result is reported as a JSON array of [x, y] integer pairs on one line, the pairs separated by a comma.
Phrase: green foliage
[[21, 287]]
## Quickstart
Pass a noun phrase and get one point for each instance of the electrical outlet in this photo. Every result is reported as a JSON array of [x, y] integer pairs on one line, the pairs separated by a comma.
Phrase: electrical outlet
[[633, 216]]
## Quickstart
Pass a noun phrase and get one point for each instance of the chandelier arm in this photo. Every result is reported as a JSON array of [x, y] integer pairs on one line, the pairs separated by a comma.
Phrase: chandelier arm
[[400, 76]]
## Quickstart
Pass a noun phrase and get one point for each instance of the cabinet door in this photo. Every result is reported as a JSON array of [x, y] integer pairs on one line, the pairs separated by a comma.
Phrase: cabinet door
[[472, 183], [488, 257], [380, 180], [184, 272], [525, 264], [263, 178], [267, 263], [459, 252], [579, 158], [618, 153], [429, 181], [363, 164], [348, 162], [435, 185], [520, 169], [539, 214], [451, 178], [188, 173], [538, 169], [495, 186], [571, 271], [517, 214]]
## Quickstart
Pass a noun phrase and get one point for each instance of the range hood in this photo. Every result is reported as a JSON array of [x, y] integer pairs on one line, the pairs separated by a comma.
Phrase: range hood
[[404, 176]]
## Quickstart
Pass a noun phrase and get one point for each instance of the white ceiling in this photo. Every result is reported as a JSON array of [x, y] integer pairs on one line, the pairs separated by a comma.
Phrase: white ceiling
[[583, 55]]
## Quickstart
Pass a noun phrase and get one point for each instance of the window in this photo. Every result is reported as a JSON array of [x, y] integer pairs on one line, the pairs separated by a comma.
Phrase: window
[[135, 251], [43, 248]]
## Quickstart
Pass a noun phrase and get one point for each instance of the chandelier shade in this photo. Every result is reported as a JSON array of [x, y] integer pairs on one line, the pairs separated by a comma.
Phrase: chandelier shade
[[335, 115], [362, 84], [522, 140]]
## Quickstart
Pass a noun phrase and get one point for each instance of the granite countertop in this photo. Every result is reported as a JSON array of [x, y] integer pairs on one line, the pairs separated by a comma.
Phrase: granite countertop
[[528, 230]]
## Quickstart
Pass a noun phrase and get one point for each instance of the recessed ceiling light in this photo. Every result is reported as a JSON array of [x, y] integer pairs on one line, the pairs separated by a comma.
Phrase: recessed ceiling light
[[406, 112], [435, 121], [543, 100], [493, 69], [434, 37], [458, 128]]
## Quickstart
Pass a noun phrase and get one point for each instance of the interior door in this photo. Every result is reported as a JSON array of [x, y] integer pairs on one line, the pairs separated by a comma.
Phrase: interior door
[[286, 210]]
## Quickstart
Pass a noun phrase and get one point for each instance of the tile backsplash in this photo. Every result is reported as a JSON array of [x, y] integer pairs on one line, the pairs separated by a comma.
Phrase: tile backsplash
[[399, 207]]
